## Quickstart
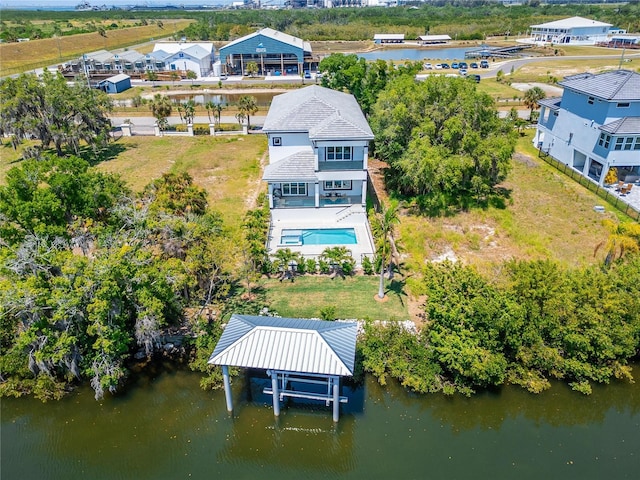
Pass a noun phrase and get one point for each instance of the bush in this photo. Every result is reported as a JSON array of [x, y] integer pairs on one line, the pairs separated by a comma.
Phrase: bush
[[311, 265], [367, 266], [328, 312], [324, 267], [348, 266]]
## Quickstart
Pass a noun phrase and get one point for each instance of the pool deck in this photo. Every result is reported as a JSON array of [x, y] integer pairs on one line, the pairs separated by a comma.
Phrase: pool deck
[[352, 216]]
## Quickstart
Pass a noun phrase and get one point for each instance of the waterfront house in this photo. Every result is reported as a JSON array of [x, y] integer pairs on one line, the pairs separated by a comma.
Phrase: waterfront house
[[571, 31], [317, 173], [116, 84], [380, 38], [595, 125]]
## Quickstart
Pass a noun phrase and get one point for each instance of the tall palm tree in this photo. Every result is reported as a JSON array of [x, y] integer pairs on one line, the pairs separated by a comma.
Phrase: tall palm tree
[[383, 225], [532, 97], [248, 105], [161, 109]]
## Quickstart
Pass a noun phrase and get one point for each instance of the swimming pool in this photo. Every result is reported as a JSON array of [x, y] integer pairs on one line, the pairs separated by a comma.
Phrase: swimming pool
[[319, 236]]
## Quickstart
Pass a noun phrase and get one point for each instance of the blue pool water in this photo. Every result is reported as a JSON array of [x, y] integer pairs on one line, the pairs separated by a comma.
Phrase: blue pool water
[[319, 236]]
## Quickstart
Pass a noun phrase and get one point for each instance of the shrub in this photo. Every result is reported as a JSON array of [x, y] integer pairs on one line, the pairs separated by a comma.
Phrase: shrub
[[367, 266], [348, 266], [328, 312], [311, 265], [324, 267]]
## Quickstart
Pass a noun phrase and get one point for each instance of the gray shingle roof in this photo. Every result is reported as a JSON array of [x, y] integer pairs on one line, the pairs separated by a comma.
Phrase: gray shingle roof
[[289, 344], [299, 166], [623, 126], [324, 113], [552, 103], [616, 85]]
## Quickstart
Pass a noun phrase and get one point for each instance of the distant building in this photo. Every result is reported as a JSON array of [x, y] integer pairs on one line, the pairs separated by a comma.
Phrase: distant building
[[388, 38], [595, 125], [274, 52], [433, 39], [116, 84], [184, 56], [571, 31]]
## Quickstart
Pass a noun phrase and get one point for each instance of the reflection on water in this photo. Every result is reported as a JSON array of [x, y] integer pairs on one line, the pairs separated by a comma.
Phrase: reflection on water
[[263, 99], [165, 427]]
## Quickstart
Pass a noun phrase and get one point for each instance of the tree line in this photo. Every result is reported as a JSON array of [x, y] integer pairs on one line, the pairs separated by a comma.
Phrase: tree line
[[538, 322]]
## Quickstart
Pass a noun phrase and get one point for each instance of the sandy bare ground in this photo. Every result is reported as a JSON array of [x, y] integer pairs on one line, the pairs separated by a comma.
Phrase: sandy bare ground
[[550, 90], [251, 200]]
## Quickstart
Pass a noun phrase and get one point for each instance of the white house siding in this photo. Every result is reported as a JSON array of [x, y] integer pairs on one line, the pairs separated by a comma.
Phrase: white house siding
[[290, 143]]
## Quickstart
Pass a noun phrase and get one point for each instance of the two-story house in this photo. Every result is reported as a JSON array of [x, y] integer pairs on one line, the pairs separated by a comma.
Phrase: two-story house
[[317, 172], [595, 125]]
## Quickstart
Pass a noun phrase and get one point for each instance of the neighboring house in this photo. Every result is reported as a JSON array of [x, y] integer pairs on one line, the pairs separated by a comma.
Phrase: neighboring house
[[388, 38], [274, 52], [183, 56], [317, 172], [116, 84], [595, 125], [571, 31]]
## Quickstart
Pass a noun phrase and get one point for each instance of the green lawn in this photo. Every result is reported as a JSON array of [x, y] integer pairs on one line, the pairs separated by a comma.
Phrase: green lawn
[[353, 297]]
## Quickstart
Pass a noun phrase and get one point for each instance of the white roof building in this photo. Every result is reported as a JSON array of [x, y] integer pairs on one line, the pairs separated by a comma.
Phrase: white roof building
[[571, 31]]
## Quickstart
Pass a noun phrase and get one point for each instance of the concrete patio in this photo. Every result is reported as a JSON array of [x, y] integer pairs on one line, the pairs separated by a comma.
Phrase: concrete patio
[[351, 216]]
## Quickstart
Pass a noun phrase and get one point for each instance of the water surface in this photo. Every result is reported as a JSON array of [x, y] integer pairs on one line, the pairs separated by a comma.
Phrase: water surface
[[165, 427]]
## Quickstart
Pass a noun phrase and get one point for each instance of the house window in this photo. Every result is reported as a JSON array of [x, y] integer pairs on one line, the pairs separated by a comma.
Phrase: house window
[[636, 146], [628, 142], [294, 188], [338, 153], [623, 105], [590, 100], [618, 144], [337, 185], [604, 140], [276, 141]]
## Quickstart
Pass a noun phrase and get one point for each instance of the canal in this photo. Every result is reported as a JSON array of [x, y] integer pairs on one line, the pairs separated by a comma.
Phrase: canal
[[165, 427]]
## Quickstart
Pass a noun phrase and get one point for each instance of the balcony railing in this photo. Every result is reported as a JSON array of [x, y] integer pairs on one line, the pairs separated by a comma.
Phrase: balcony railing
[[340, 165], [294, 202]]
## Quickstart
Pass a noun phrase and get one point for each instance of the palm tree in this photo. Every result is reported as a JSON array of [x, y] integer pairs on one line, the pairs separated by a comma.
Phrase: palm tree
[[161, 109], [623, 238], [189, 110], [383, 226], [532, 97], [337, 257], [252, 68], [286, 262], [247, 105]]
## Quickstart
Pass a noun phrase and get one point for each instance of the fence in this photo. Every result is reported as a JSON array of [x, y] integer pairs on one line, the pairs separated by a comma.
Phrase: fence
[[593, 186]]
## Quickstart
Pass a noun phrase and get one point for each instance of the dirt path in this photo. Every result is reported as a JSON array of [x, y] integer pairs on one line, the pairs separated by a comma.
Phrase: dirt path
[[251, 200]]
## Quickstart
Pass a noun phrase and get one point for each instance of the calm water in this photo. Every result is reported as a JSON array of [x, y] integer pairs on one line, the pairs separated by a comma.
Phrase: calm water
[[165, 427], [263, 99], [417, 54]]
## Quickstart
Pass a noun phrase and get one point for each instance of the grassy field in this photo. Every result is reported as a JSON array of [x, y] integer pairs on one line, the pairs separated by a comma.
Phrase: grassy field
[[352, 297], [546, 215], [21, 57], [228, 168]]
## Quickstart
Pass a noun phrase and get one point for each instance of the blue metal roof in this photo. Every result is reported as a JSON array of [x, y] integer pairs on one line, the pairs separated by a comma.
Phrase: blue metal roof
[[287, 344]]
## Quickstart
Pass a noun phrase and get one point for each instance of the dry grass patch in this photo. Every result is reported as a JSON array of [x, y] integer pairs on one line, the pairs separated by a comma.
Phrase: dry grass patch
[[547, 215], [20, 57], [228, 168], [560, 68]]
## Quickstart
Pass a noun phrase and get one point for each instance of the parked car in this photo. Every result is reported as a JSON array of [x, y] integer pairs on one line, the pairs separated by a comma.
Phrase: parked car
[[474, 65], [463, 65], [454, 65], [445, 66], [307, 74], [484, 64], [438, 66], [475, 77], [428, 66], [462, 71]]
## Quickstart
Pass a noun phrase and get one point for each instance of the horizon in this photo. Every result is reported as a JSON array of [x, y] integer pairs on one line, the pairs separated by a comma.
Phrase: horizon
[[45, 4]]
